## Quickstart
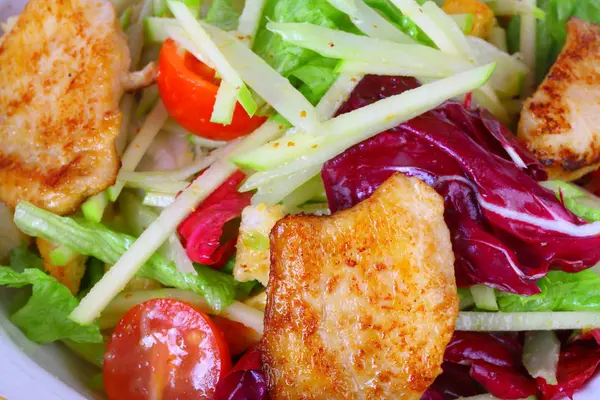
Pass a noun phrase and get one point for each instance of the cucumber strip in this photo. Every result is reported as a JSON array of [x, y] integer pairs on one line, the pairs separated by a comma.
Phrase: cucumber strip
[[156, 30], [93, 208], [417, 59], [125, 19], [140, 144], [173, 250], [202, 40], [172, 126], [498, 38], [311, 190], [224, 105], [61, 256], [448, 27], [163, 187], [527, 47], [135, 34], [250, 19], [126, 107], [150, 97], [156, 199], [526, 321], [239, 312], [540, 355], [366, 67], [159, 8], [517, 7], [369, 21], [349, 129], [159, 231], [465, 22], [416, 13], [337, 94], [181, 174], [195, 7], [484, 297], [275, 191]]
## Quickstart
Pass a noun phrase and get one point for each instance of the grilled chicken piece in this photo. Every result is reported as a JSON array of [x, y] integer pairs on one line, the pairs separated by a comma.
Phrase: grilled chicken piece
[[69, 274], [560, 123], [362, 304], [61, 71]]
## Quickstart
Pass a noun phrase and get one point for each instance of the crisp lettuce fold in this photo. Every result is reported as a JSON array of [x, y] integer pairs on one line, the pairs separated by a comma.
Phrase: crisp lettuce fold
[[44, 316], [96, 240]]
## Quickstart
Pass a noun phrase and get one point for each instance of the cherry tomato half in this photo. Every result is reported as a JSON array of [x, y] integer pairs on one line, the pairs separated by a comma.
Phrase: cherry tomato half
[[188, 89], [165, 349]]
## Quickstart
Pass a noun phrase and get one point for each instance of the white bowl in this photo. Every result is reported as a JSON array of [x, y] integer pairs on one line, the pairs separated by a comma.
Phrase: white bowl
[[50, 372]]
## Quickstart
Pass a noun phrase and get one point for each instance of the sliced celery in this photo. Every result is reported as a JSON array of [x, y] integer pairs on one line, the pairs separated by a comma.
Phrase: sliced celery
[[348, 129], [369, 21], [93, 208], [418, 60], [484, 297], [122, 303], [203, 41], [526, 321], [540, 355], [142, 249], [140, 143]]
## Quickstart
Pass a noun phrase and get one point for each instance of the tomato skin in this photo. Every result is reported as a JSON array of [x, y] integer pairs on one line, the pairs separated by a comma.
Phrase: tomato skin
[[188, 90], [165, 349]]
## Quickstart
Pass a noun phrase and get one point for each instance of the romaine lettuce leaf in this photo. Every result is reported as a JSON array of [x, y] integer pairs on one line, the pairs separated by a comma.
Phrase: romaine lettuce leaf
[[44, 318], [551, 32], [405, 24], [96, 240], [561, 291], [579, 201], [22, 257]]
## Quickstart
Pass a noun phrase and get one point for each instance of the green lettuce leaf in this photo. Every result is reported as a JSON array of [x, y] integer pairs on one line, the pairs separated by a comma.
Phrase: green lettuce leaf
[[44, 318], [388, 10], [551, 32], [96, 240], [21, 258], [225, 14], [579, 201], [316, 77], [561, 291]]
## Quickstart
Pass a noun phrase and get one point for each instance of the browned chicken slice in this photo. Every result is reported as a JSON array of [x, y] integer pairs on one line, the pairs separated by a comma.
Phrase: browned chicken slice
[[362, 304], [560, 123], [61, 72]]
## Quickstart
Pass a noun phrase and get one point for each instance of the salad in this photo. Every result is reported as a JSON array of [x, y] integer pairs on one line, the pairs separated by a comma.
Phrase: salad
[[306, 198]]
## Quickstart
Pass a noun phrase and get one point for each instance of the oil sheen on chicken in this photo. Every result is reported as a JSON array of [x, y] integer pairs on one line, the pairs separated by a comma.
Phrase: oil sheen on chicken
[[361, 304], [560, 123], [61, 68]]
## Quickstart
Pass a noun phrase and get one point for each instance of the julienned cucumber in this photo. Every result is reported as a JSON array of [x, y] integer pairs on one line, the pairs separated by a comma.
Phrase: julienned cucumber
[[354, 127]]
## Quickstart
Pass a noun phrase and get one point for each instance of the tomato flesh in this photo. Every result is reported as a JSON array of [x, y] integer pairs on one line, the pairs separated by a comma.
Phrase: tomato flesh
[[165, 349], [188, 89]]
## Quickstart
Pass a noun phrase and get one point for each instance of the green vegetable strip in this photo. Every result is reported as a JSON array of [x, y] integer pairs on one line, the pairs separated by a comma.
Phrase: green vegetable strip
[[528, 48], [308, 191], [540, 355], [337, 94], [413, 10], [418, 60], [164, 187], [61, 256], [448, 27], [126, 107], [484, 297], [202, 40], [369, 21], [526, 321], [498, 38], [517, 7], [237, 311], [150, 97], [90, 352], [224, 104], [135, 34], [173, 127], [140, 144], [579, 201], [156, 199], [93, 208], [134, 258], [125, 19], [354, 127], [274, 192], [250, 18], [464, 22]]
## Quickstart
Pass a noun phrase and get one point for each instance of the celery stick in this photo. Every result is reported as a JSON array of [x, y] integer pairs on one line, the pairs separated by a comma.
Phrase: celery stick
[[93, 208], [156, 199], [140, 143], [369, 21], [122, 303], [61, 256], [540, 355], [484, 297], [348, 129], [416, 13], [418, 60], [526, 321], [142, 249], [202, 40]]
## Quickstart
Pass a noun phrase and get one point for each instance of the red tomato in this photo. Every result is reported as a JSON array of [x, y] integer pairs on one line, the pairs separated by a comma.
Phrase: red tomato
[[165, 349], [188, 89], [250, 360], [239, 337]]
